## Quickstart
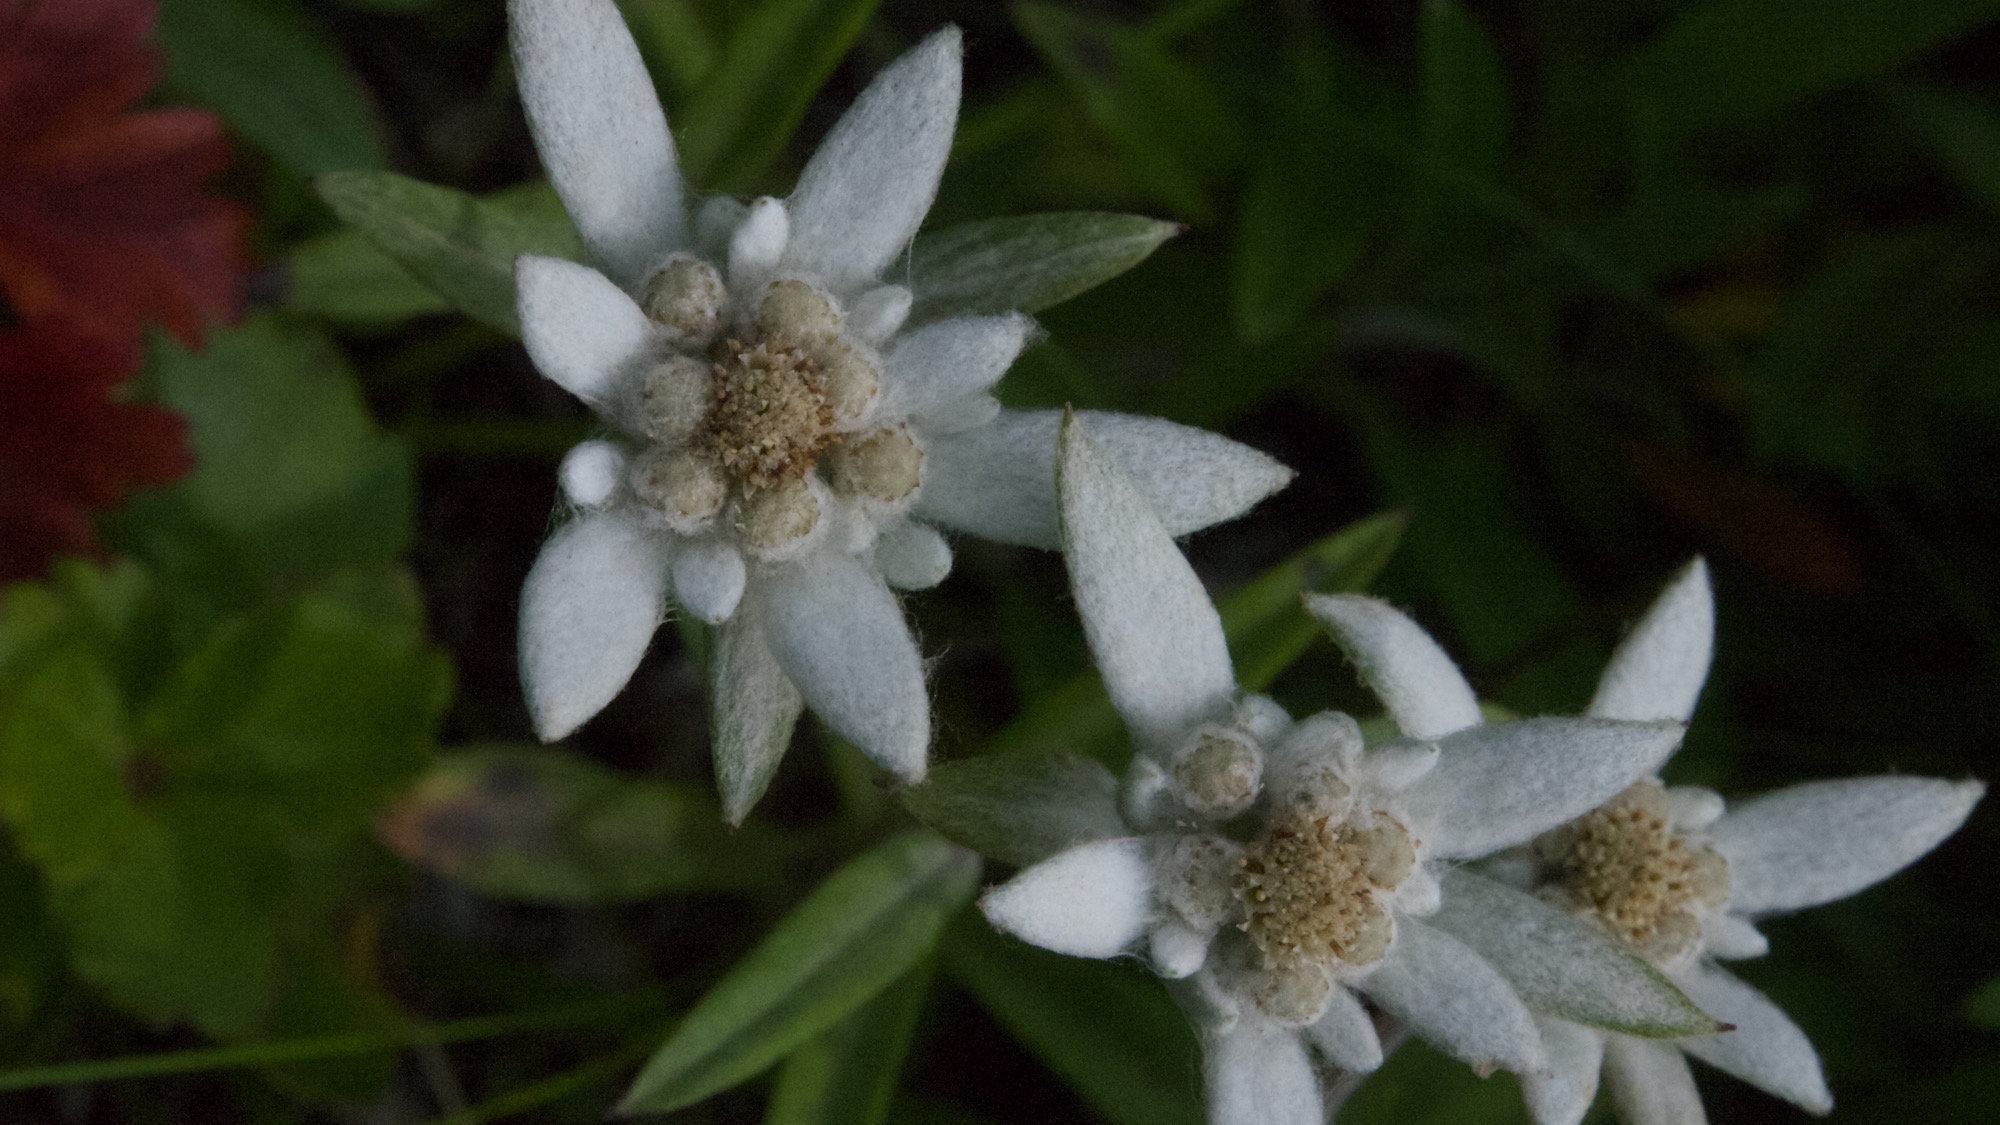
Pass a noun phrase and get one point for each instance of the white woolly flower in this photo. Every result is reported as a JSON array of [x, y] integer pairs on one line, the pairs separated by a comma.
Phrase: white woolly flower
[[782, 443], [1279, 871], [1681, 879]]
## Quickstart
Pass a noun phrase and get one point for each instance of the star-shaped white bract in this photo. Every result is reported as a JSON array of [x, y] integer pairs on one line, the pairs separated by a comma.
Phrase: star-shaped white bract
[[782, 442], [1682, 879], [1276, 869]]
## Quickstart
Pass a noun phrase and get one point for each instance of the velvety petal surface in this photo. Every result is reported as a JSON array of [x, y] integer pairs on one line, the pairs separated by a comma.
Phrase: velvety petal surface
[[1501, 784], [840, 636], [1658, 671], [866, 189], [1561, 1092], [1766, 1050], [1257, 1073], [588, 611], [752, 707], [1454, 1000], [1155, 635], [943, 362], [1825, 840], [581, 330], [997, 481], [599, 129], [1090, 901], [1650, 1083], [1417, 683], [1345, 1034]]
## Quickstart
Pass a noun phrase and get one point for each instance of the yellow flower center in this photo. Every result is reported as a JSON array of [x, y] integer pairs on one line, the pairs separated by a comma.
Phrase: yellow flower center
[[1309, 890], [1625, 865]]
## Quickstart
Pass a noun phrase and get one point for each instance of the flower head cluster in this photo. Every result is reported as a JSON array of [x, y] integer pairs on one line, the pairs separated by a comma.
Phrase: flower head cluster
[[784, 441], [1680, 877], [1284, 870]]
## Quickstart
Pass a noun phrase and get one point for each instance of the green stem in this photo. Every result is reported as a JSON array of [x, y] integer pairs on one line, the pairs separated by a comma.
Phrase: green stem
[[309, 1049], [550, 1089]]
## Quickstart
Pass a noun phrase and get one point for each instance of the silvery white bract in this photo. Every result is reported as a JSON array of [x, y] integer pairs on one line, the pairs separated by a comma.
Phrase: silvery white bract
[[1275, 869], [781, 445], [1681, 879]]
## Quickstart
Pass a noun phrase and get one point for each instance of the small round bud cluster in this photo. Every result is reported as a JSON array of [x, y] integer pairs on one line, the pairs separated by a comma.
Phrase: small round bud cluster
[[1218, 772], [758, 410], [1316, 892], [1624, 864]]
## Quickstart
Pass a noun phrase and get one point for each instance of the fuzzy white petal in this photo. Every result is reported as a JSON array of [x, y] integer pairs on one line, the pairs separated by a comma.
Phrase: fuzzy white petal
[[1692, 808], [1727, 937], [581, 330], [588, 611], [708, 579], [753, 708], [841, 638], [1345, 1035], [954, 417], [949, 360], [591, 472], [1257, 1073], [1503, 783], [1650, 1083], [1453, 999], [714, 224], [997, 481], [1418, 684], [912, 556], [1825, 840], [1658, 671], [1155, 635], [1561, 1092], [877, 314], [1090, 901], [757, 244], [599, 129], [1178, 950], [1766, 1050], [866, 189]]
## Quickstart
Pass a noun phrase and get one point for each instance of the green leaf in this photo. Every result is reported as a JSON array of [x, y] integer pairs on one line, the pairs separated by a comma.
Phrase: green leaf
[[63, 755], [461, 245], [1028, 262], [1175, 135], [320, 707], [1563, 966], [276, 77], [1464, 89], [1723, 62], [1019, 808], [1961, 131], [1266, 625], [848, 1076], [183, 924], [293, 481], [545, 825], [740, 116], [347, 279], [755, 706], [1983, 1006], [1106, 1027], [861, 929], [1266, 620]]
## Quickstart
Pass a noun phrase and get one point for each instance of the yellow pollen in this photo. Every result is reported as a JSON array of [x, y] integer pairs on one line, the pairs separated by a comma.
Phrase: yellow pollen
[[1309, 889], [770, 420], [1624, 863]]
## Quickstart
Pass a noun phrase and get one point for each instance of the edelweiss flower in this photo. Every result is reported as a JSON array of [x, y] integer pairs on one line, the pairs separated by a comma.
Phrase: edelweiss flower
[[1273, 866], [1681, 881], [782, 444]]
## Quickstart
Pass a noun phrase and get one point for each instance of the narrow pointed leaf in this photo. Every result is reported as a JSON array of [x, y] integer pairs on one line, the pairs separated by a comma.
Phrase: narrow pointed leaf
[[848, 1076], [861, 929], [461, 245], [1027, 262], [754, 709], [1019, 808], [1563, 966], [537, 824]]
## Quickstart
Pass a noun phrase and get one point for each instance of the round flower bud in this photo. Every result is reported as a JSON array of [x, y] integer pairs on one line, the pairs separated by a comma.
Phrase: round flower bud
[[850, 378], [797, 314], [675, 398], [884, 465], [777, 522], [679, 488], [686, 297]]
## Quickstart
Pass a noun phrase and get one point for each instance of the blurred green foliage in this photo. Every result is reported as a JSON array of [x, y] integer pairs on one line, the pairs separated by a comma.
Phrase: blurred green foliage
[[1574, 290]]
